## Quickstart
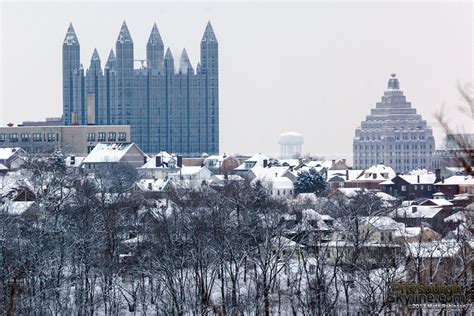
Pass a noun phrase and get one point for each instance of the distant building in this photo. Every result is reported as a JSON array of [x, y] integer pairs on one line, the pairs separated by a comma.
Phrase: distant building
[[455, 149], [72, 140], [169, 109], [291, 145], [393, 134], [50, 121]]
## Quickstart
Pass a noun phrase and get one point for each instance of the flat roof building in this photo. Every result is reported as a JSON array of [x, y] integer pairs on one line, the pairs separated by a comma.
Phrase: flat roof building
[[72, 140]]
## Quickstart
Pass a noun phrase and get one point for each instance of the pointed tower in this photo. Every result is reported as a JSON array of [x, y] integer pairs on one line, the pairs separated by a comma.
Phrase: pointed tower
[[124, 49], [184, 64], [154, 49], [111, 61], [210, 74], [109, 115], [94, 90], [71, 64], [169, 62]]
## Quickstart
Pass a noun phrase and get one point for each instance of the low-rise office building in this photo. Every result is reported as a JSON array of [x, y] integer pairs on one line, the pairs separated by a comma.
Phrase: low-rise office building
[[72, 140]]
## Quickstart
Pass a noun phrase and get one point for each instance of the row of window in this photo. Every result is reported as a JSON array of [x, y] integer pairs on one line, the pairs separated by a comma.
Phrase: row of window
[[397, 146], [416, 187], [413, 137], [110, 136], [27, 137]]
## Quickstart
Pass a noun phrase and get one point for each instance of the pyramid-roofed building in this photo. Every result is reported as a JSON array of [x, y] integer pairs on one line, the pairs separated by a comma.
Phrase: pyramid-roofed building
[[393, 134]]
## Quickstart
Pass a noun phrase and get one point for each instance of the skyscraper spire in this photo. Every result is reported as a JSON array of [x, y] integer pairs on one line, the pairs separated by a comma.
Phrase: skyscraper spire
[[71, 38], [209, 35], [168, 55], [184, 64], [95, 55], [154, 49], [110, 64], [124, 35], [155, 37]]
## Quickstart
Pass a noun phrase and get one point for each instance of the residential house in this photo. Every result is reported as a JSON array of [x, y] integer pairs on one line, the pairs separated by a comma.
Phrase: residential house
[[110, 155], [372, 178], [11, 158], [456, 185], [161, 166], [427, 215], [411, 187]]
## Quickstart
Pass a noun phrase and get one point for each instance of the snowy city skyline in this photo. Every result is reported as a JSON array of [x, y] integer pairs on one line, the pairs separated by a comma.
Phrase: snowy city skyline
[[313, 68]]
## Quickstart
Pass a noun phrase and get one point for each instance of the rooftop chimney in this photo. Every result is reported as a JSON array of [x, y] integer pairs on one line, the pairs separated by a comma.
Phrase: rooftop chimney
[[347, 174], [437, 175], [180, 161], [265, 163], [157, 161], [418, 178]]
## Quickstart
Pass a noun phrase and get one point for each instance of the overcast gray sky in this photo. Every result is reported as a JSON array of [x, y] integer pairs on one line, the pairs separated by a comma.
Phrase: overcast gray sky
[[315, 68]]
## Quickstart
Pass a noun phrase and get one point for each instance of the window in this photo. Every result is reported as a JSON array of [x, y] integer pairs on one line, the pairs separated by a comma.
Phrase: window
[[122, 136], [101, 137], [112, 136], [90, 137], [13, 138], [25, 137], [51, 137], [89, 148], [2, 138], [404, 188], [36, 137], [415, 187]]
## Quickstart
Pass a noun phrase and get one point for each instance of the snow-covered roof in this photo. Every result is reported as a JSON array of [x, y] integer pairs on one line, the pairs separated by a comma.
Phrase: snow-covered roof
[[289, 162], [7, 153], [152, 185], [353, 174], [382, 223], [428, 178], [230, 177], [281, 183], [108, 152], [257, 159], [456, 217], [165, 159], [3, 167], [417, 211], [439, 202], [351, 192], [188, 171], [457, 180], [17, 207], [376, 173], [433, 249], [268, 172]]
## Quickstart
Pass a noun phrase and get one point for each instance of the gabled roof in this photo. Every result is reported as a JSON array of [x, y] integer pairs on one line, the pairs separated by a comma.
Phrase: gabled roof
[[281, 183], [416, 211], [257, 158], [268, 172], [428, 178], [381, 172], [165, 159], [9, 152], [437, 202], [103, 153], [457, 180]]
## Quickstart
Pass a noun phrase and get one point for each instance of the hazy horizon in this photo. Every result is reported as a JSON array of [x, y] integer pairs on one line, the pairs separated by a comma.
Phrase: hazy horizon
[[314, 68]]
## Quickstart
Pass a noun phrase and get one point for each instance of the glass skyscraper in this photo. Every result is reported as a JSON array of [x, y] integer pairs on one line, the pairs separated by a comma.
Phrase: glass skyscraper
[[168, 109]]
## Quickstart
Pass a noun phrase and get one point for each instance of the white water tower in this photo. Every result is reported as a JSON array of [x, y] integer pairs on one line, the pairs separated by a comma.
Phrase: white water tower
[[291, 144]]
